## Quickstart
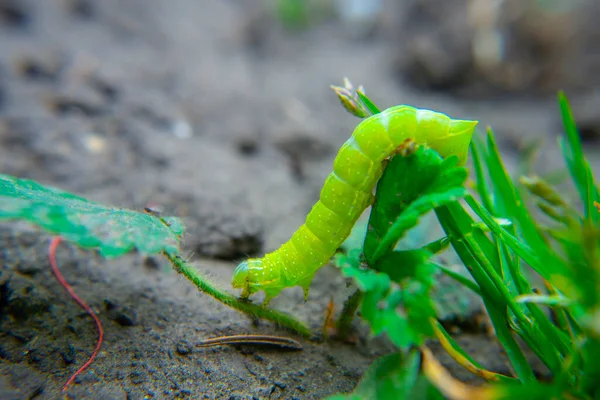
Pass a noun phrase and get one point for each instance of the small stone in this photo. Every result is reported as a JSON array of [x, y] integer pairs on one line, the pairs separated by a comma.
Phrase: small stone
[[280, 385], [137, 377], [247, 146], [184, 347], [127, 317], [68, 355], [122, 315]]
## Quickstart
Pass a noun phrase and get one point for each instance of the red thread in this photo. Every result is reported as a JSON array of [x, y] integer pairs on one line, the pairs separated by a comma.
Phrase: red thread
[[52, 255]]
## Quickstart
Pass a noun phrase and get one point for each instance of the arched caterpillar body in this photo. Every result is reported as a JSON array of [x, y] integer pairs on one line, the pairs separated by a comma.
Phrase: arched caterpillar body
[[347, 192]]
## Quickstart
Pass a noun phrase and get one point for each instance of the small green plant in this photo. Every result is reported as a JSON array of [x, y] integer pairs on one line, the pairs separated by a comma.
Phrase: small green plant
[[299, 15], [503, 246]]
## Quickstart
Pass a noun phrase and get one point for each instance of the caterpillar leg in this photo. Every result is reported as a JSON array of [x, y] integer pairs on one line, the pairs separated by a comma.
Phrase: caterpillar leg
[[245, 295], [405, 148], [305, 285]]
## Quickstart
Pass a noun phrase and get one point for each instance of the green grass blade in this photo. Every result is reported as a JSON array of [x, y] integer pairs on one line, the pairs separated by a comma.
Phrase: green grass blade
[[483, 187], [373, 109], [521, 249], [389, 378], [459, 278], [509, 205], [576, 162], [511, 347], [468, 243]]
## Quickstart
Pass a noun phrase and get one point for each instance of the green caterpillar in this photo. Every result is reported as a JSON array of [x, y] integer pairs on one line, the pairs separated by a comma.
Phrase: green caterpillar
[[347, 192]]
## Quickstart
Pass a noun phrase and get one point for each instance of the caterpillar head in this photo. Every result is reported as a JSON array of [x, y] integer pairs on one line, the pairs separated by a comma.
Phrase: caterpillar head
[[241, 275]]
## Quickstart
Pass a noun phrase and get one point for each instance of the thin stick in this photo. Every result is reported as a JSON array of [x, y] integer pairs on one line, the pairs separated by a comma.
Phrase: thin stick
[[280, 341], [345, 320], [204, 286], [52, 255]]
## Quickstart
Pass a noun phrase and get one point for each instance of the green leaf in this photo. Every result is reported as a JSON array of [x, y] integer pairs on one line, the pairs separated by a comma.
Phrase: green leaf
[[395, 376], [399, 265], [463, 280], [483, 187], [591, 371], [400, 310], [369, 105], [410, 187], [293, 14], [532, 390], [112, 231], [578, 165]]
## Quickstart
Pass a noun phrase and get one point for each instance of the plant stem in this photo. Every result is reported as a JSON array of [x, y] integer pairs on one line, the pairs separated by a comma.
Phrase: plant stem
[[229, 300], [347, 315]]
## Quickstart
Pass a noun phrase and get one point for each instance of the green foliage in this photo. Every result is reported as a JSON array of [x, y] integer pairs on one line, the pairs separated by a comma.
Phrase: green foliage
[[508, 245], [112, 231], [299, 15], [395, 376], [401, 200], [293, 14], [397, 286], [578, 166]]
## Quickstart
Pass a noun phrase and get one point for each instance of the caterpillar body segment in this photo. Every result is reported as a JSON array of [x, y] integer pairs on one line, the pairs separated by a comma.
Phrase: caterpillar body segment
[[347, 192]]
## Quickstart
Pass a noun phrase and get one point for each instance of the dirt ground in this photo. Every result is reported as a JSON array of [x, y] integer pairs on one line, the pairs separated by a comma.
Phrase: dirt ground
[[209, 109]]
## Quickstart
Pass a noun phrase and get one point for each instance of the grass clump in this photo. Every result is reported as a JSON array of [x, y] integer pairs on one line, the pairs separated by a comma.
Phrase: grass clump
[[539, 278]]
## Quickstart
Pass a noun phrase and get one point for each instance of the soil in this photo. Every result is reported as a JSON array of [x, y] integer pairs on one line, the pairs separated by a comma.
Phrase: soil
[[216, 114]]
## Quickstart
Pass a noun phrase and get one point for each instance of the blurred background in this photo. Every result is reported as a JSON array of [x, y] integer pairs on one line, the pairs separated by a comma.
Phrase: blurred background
[[220, 111]]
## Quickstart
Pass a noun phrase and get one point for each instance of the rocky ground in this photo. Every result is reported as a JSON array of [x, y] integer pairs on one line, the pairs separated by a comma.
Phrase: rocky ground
[[213, 111]]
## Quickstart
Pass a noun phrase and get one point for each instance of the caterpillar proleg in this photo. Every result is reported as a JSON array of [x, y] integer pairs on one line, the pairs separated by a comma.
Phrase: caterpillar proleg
[[347, 192]]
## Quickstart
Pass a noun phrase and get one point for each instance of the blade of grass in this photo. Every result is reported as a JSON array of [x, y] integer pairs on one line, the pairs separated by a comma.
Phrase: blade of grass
[[483, 187], [459, 278], [551, 355], [489, 274], [509, 344], [576, 162], [557, 337], [458, 226], [461, 357], [344, 322], [368, 103], [508, 204], [521, 249]]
